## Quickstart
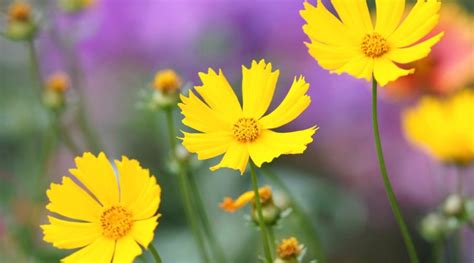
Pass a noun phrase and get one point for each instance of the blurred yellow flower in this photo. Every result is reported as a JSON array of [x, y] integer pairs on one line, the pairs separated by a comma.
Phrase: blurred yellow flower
[[444, 128], [230, 205], [350, 43], [289, 249], [58, 82], [19, 11], [242, 132], [104, 221], [167, 81]]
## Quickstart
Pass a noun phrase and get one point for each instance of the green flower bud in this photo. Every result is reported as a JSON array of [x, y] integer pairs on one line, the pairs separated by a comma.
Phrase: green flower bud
[[454, 205], [270, 212], [433, 227]]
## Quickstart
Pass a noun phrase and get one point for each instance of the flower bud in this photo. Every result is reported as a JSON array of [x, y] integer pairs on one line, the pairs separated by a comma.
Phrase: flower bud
[[454, 205], [270, 212], [20, 25], [433, 227], [167, 81], [73, 6], [288, 251], [55, 87]]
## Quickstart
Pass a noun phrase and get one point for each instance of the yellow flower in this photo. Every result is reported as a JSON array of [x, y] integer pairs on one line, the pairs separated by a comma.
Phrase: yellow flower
[[167, 81], [230, 205], [352, 44], [444, 128], [289, 248], [58, 82], [19, 11], [242, 132], [107, 216]]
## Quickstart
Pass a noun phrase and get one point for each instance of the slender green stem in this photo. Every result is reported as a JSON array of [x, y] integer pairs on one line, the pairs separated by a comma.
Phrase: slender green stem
[[304, 221], [263, 228], [216, 248], [171, 130], [386, 180], [438, 251], [191, 215], [35, 68], [67, 139], [154, 253], [271, 236]]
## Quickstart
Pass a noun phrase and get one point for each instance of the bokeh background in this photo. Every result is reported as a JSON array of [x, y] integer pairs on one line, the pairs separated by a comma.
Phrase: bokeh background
[[112, 50]]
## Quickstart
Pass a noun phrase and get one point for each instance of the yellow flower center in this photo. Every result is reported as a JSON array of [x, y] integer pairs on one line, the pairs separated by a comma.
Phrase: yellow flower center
[[167, 81], [246, 130], [374, 45], [288, 248], [116, 222]]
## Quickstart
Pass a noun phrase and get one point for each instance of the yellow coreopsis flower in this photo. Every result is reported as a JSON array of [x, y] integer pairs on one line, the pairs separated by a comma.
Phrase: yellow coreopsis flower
[[444, 128], [230, 205], [108, 216], [350, 43], [241, 132]]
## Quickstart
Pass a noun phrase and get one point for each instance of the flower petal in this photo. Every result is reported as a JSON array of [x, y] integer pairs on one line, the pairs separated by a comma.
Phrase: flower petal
[[360, 67], [413, 53], [354, 15], [68, 235], [389, 15], [324, 27], [143, 230], [236, 157], [70, 200], [271, 145], [126, 250], [420, 21], [97, 174], [207, 145], [295, 102], [331, 57], [219, 95], [386, 71], [139, 191], [100, 251], [199, 116], [258, 87]]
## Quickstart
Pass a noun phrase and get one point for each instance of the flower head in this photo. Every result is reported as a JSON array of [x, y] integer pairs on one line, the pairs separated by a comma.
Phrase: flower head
[[240, 133], [19, 11], [230, 205], [167, 81], [57, 82], [350, 43], [289, 249], [444, 128], [21, 25], [103, 214]]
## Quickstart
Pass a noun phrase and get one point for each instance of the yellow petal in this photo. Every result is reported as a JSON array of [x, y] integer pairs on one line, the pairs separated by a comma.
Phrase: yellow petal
[[100, 251], [68, 235], [236, 157], [258, 86], [143, 230], [139, 191], [219, 95], [69, 200], [354, 15], [332, 57], [126, 250], [199, 116], [230, 205], [413, 53], [324, 27], [389, 15], [295, 102], [420, 21], [208, 145], [97, 174], [272, 144], [386, 71], [360, 67]]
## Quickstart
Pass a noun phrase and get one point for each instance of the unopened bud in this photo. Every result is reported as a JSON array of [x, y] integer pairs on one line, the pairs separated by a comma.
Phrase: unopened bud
[[167, 81], [270, 212], [433, 227], [20, 25], [454, 205], [73, 6], [288, 251]]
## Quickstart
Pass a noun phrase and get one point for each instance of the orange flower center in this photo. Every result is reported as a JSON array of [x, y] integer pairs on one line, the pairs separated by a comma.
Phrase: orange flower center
[[246, 130], [374, 45], [19, 11], [116, 222]]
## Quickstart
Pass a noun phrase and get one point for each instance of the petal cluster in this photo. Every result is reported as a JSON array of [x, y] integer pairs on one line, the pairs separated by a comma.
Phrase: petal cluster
[[444, 128], [230, 205], [106, 215], [351, 43], [243, 132]]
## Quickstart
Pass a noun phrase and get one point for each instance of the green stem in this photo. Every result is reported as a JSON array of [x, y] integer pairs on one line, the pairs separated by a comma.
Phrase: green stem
[[186, 189], [438, 251], [388, 186], [305, 222], [154, 253], [271, 236], [67, 140], [216, 248], [263, 228]]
